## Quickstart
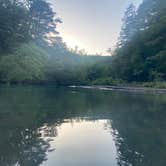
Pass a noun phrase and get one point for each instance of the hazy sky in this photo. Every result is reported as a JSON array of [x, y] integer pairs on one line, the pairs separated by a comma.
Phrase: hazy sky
[[93, 25]]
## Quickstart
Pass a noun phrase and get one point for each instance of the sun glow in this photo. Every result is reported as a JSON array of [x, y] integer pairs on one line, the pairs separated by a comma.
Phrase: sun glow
[[94, 33], [72, 42]]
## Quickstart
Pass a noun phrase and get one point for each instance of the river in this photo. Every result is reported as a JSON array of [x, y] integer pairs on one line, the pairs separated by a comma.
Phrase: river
[[57, 126]]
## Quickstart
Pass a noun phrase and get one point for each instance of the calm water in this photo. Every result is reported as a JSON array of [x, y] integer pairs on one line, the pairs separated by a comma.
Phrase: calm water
[[51, 126]]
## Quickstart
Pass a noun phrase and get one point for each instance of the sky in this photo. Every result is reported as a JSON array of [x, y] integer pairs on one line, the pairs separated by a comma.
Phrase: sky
[[93, 25]]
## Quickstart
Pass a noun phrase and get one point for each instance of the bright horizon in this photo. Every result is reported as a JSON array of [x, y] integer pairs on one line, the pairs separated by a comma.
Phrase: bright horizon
[[91, 25]]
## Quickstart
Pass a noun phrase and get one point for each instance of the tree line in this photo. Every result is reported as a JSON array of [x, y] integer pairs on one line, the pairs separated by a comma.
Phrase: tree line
[[141, 51], [32, 52]]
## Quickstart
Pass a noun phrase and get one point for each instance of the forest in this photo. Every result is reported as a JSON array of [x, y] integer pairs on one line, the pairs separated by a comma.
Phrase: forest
[[32, 51]]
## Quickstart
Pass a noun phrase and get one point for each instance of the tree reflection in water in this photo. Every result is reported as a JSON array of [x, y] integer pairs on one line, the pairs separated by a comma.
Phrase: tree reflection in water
[[22, 147], [29, 117], [139, 129]]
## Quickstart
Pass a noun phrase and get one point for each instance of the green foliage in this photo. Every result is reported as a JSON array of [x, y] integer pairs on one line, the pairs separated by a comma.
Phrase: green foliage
[[107, 81], [41, 18], [129, 25], [141, 56], [30, 52], [24, 20], [13, 22], [155, 84], [27, 63]]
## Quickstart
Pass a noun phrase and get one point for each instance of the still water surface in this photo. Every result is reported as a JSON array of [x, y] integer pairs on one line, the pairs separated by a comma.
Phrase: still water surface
[[51, 126]]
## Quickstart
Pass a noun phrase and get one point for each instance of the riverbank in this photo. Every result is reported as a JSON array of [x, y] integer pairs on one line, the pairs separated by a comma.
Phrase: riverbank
[[123, 88]]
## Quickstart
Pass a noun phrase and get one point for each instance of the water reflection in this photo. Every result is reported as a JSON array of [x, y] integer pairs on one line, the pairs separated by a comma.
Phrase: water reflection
[[44, 125], [82, 143]]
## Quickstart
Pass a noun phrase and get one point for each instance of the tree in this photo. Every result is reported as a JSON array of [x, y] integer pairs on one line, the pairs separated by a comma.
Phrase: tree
[[41, 18], [13, 22], [24, 20], [140, 56], [129, 25]]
